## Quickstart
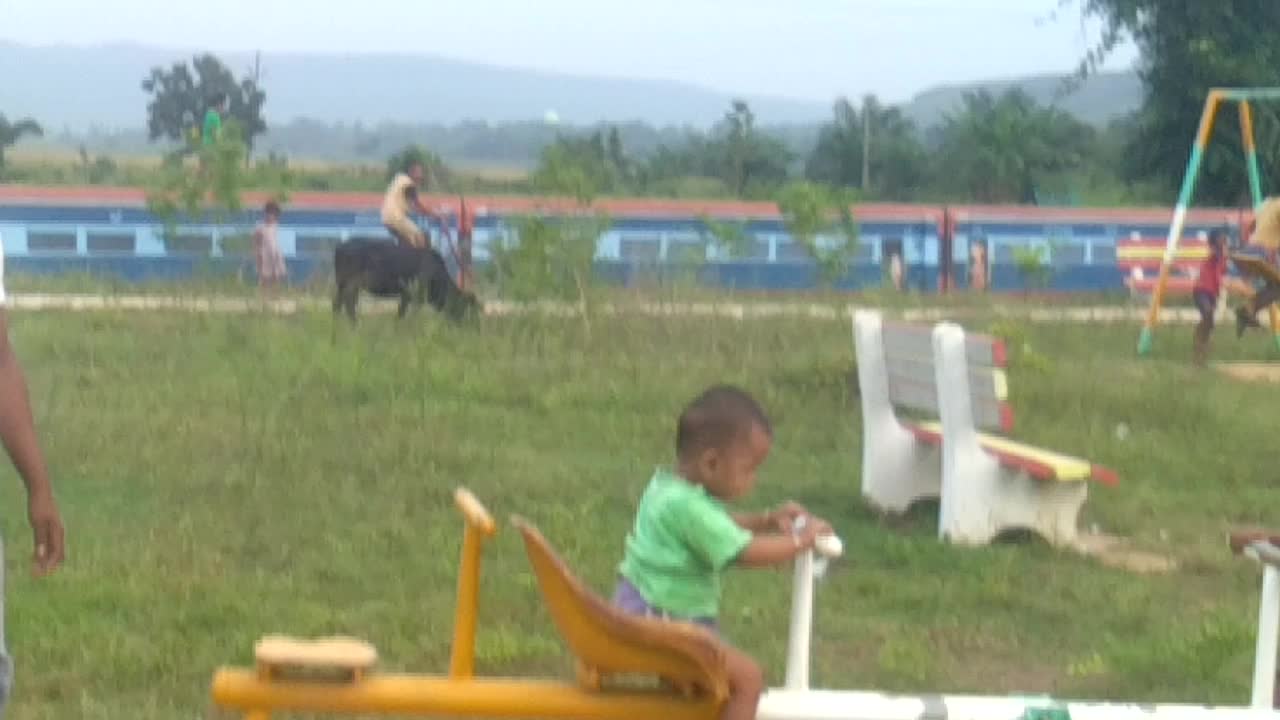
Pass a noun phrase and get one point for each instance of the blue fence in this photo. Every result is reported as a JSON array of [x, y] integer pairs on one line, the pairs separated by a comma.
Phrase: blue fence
[[128, 243]]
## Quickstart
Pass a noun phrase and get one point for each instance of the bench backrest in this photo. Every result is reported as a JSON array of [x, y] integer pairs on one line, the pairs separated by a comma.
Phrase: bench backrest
[[909, 361], [1146, 254], [608, 641]]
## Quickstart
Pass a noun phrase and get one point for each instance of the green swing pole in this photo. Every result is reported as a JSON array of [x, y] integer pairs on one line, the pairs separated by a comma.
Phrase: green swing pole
[[1179, 216], [1255, 191], [1251, 152]]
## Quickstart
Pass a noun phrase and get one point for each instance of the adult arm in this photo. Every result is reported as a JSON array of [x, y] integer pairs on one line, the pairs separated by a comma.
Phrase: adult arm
[[18, 434]]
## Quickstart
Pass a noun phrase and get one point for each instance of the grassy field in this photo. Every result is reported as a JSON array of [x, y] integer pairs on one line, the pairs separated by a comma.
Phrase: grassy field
[[228, 476]]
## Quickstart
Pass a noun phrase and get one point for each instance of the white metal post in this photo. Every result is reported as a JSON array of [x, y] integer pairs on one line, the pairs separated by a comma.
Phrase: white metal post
[[801, 623], [1264, 661]]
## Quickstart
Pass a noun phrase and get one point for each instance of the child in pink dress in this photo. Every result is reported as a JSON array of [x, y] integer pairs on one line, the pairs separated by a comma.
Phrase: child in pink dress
[[266, 248]]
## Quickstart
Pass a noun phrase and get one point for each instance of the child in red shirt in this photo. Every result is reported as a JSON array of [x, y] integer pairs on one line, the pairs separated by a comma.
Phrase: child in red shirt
[[1205, 292]]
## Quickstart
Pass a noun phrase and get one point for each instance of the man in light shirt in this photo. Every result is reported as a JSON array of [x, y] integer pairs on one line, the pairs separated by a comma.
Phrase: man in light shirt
[[402, 198], [1265, 236], [18, 434]]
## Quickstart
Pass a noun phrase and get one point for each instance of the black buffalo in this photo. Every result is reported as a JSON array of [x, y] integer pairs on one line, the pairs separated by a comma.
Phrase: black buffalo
[[386, 269]]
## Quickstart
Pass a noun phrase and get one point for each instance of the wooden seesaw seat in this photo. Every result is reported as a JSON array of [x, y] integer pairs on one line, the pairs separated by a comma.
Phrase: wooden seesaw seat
[[335, 675], [607, 642], [346, 657]]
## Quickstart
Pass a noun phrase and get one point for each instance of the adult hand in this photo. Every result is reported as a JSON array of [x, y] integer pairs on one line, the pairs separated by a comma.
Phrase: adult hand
[[47, 533]]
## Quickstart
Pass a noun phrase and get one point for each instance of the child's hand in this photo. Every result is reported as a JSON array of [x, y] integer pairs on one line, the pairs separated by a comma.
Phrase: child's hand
[[785, 516], [813, 528]]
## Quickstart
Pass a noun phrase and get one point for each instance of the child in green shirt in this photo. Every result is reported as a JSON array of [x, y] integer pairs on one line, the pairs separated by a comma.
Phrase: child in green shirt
[[684, 538], [213, 119]]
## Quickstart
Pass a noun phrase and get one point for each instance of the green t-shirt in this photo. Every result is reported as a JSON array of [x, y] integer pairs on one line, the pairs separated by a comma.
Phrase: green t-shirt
[[212, 125], [682, 541]]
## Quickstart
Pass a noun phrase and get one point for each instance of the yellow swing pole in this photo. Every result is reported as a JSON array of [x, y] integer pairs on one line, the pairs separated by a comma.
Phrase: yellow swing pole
[[1179, 217]]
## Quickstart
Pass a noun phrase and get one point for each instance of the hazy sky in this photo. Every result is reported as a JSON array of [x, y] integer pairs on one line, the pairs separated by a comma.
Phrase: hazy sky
[[813, 49]]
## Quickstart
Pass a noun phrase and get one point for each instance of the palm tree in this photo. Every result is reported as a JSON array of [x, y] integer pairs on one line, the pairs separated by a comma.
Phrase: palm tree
[[998, 149], [12, 132], [895, 164]]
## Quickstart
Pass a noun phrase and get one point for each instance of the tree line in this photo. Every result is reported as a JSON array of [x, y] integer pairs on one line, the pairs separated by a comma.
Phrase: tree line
[[991, 148]]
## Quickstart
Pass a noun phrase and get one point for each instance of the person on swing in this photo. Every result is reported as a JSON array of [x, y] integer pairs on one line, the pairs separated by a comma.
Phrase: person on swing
[[1265, 236]]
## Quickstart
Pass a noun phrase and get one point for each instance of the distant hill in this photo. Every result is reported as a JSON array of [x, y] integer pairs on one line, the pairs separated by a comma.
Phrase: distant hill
[[79, 87], [1098, 100], [346, 107]]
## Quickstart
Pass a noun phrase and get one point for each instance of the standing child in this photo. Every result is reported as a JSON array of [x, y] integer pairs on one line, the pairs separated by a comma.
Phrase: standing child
[[684, 538], [266, 248], [1205, 293]]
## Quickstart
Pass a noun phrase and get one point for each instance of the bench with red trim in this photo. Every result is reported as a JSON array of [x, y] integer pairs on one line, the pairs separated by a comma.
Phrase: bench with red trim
[[988, 482], [1140, 258]]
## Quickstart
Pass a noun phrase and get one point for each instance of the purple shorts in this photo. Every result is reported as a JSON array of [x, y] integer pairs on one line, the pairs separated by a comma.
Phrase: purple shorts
[[628, 598]]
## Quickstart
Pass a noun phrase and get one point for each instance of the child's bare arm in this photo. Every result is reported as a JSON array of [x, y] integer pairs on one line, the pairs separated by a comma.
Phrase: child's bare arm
[[775, 549], [756, 522], [780, 519]]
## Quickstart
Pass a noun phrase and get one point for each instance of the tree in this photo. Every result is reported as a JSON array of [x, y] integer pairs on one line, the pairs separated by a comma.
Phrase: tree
[[1001, 149], [748, 159], [437, 173], [896, 165], [12, 132], [210, 190], [180, 96], [1186, 48], [820, 220], [585, 165]]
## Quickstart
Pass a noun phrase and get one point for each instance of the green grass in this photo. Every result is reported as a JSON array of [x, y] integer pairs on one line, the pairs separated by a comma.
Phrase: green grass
[[223, 477]]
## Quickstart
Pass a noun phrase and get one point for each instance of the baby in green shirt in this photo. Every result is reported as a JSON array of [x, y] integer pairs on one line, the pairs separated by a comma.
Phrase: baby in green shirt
[[684, 537]]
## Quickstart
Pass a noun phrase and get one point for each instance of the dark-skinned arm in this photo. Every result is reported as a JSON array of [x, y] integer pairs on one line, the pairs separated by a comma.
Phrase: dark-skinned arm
[[18, 434], [756, 522], [774, 549]]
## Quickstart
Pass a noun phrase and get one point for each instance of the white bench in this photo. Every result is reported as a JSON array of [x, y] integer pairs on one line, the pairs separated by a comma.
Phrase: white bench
[[987, 483]]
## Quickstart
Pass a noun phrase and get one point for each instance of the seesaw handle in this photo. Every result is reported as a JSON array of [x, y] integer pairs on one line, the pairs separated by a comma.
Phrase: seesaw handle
[[473, 511], [828, 546]]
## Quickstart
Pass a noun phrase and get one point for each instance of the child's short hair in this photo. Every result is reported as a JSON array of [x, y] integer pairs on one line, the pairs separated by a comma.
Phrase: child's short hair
[[721, 414], [271, 208]]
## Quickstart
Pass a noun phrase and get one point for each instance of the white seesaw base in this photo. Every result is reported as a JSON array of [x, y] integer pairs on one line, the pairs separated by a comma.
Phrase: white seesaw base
[[859, 705], [797, 701]]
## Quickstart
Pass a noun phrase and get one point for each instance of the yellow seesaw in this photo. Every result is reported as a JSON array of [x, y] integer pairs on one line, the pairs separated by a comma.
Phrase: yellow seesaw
[[337, 675]]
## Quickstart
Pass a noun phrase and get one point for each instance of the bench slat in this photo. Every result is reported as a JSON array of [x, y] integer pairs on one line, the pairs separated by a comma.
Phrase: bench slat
[[1037, 462], [1148, 254], [1180, 286], [905, 340], [987, 384], [987, 414], [1185, 267]]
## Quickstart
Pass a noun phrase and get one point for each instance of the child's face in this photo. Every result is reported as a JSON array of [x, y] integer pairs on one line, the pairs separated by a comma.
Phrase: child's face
[[729, 473]]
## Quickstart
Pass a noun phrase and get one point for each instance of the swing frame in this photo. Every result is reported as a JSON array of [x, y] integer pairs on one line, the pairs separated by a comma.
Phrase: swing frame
[[1216, 97]]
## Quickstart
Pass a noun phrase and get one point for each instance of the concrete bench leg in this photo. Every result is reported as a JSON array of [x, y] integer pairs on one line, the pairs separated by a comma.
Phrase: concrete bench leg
[[983, 502], [897, 470], [980, 498]]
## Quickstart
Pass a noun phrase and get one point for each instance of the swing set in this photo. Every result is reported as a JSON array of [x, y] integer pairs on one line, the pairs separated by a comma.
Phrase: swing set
[[1243, 97]]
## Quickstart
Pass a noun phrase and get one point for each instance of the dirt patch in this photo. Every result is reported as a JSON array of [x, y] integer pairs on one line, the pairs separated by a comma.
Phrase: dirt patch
[[1251, 372], [1116, 552]]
